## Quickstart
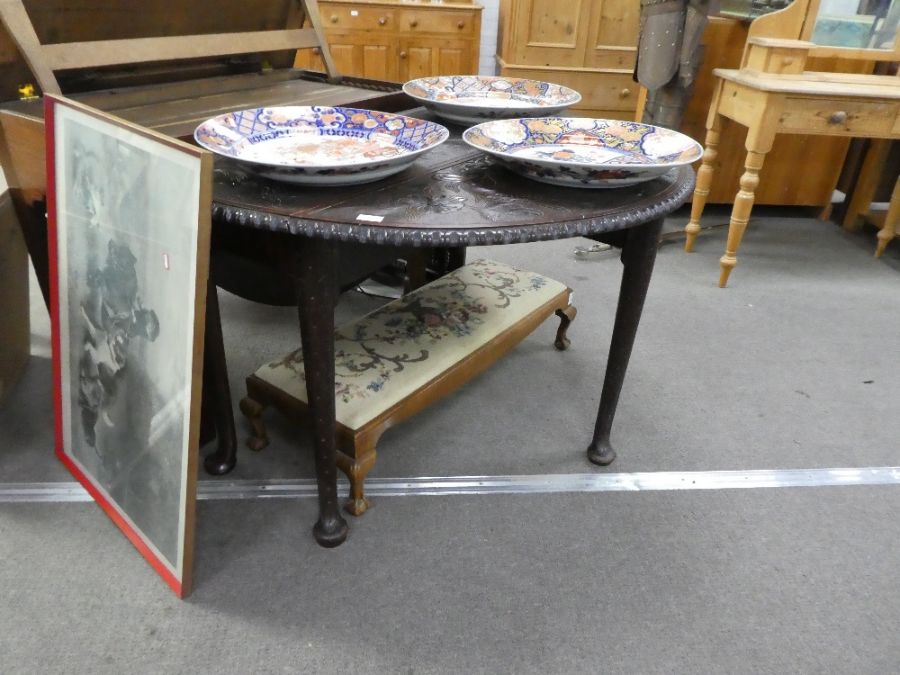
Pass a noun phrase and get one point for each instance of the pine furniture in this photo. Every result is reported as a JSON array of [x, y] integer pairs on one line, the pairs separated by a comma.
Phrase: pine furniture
[[398, 40], [780, 184], [773, 93], [588, 45]]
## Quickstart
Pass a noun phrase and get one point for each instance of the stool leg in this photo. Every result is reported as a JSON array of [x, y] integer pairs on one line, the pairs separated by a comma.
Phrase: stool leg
[[740, 213], [704, 181], [356, 468], [566, 317], [253, 411], [889, 231]]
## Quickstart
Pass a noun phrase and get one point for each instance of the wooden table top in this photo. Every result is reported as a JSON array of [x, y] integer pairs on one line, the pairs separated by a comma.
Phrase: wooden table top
[[451, 196]]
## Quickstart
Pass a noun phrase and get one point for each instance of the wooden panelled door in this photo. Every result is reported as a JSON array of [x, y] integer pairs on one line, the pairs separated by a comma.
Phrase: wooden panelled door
[[613, 34], [427, 56], [354, 53], [553, 34]]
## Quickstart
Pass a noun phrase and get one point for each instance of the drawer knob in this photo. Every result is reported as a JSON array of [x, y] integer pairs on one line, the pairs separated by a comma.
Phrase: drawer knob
[[625, 93], [461, 24], [402, 55], [414, 23], [334, 18], [381, 21], [838, 117], [316, 51]]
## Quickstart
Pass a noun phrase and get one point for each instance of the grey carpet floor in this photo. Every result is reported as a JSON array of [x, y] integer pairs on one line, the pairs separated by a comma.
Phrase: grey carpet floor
[[793, 366], [796, 580]]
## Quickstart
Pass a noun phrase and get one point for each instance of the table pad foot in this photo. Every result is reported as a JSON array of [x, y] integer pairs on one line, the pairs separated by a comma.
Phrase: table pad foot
[[331, 533], [601, 454], [219, 462]]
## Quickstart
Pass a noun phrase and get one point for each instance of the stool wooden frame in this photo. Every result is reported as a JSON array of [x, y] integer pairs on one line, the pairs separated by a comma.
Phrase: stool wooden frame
[[356, 447]]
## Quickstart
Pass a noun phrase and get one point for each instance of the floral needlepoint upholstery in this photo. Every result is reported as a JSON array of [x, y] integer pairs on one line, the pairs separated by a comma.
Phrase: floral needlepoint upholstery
[[390, 353]]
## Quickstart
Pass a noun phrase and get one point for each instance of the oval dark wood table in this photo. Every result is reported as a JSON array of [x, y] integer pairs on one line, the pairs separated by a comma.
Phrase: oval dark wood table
[[453, 196]]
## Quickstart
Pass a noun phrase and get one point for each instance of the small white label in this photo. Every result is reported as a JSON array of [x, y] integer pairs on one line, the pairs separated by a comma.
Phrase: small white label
[[354, 12], [571, 297], [166, 260], [366, 218]]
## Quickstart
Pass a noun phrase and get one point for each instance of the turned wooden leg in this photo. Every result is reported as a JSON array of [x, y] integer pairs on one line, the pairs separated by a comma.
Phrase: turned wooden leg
[[704, 181], [740, 213], [566, 317], [638, 257], [889, 230], [356, 469], [253, 411]]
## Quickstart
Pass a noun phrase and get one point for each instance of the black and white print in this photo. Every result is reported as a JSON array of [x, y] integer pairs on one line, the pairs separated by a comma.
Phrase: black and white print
[[127, 231]]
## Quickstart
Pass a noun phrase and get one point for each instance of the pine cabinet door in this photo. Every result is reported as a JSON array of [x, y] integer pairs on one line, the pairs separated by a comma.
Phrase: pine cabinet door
[[355, 54], [550, 32], [424, 57], [613, 34]]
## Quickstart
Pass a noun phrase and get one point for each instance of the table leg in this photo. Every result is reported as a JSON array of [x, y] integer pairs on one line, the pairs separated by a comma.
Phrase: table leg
[[704, 181], [638, 256], [216, 392], [316, 299], [889, 229], [866, 184], [740, 213]]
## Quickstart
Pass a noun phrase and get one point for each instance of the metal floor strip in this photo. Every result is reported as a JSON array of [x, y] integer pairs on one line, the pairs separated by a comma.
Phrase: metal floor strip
[[486, 485]]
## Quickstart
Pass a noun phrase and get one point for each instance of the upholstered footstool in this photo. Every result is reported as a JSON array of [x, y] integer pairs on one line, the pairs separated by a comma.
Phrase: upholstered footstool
[[402, 357]]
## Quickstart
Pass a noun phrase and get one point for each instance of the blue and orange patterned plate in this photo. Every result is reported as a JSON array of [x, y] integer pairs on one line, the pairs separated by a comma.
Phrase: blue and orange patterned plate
[[584, 152], [316, 145], [471, 99]]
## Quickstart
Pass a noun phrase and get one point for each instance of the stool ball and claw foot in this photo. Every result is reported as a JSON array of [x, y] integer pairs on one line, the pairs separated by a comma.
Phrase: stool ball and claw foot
[[253, 411], [356, 469], [566, 317]]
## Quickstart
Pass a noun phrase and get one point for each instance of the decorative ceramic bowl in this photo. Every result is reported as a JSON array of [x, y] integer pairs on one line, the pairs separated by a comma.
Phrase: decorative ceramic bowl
[[471, 99], [316, 145], [584, 152]]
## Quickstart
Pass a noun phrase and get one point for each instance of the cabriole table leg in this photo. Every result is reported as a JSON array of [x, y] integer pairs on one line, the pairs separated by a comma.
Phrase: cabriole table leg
[[638, 256], [216, 392], [316, 299]]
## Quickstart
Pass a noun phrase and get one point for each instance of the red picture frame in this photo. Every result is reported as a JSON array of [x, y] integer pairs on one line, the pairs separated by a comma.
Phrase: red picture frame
[[127, 415]]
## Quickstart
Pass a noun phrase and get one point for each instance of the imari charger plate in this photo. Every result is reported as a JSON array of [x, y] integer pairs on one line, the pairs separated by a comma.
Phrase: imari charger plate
[[471, 99], [584, 152], [316, 145]]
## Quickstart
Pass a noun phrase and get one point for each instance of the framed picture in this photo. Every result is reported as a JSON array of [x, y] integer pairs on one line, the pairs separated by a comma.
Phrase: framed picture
[[129, 227]]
